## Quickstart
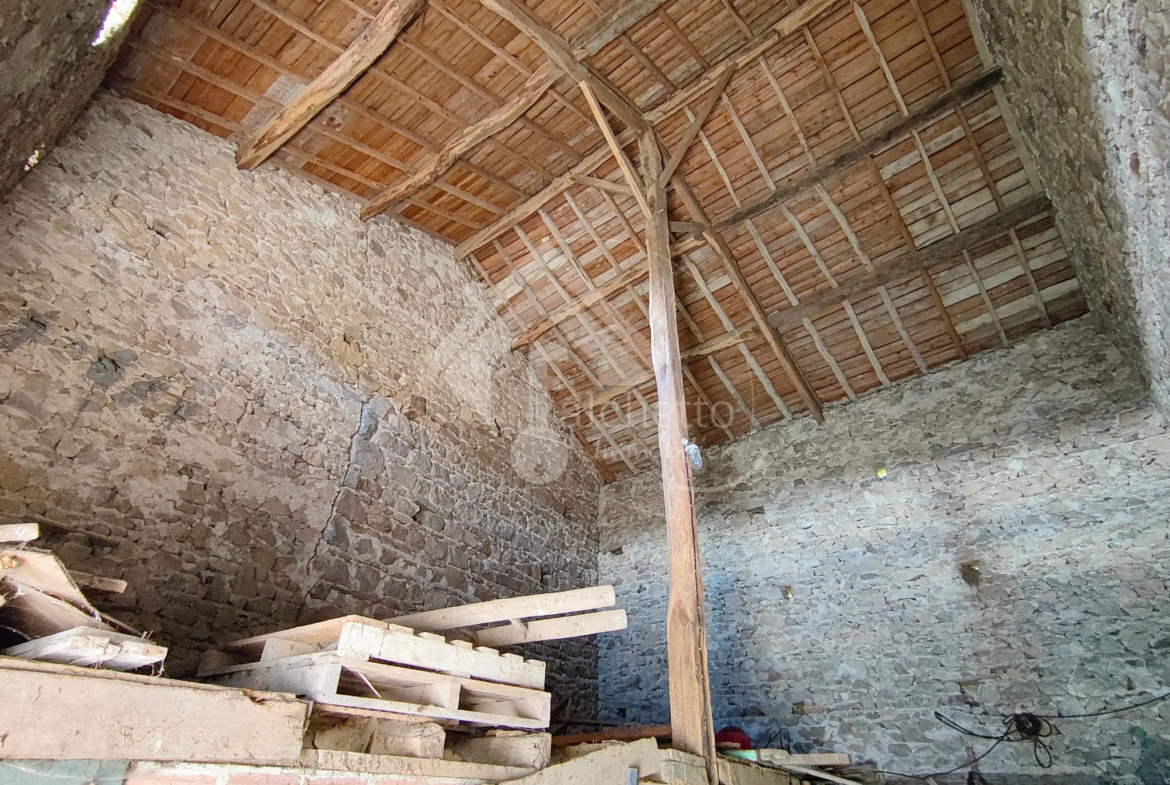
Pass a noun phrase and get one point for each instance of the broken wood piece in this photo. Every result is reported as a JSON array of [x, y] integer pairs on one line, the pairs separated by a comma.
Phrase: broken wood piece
[[42, 599], [526, 750], [98, 583], [768, 756], [530, 607], [378, 736], [576, 626], [59, 712], [607, 765], [360, 763], [19, 532], [810, 772], [629, 733], [87, 647]]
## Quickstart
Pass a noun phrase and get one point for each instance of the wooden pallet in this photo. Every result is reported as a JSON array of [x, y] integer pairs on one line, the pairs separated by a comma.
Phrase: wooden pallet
[[338, 681], [87, 646], [364, 638]]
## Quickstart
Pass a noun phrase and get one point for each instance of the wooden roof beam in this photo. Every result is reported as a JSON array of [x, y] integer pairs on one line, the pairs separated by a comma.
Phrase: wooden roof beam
[[558, 50], [890, 132], [913, 263], [838, 165], [604, 30], [804, 14], [379, 34]]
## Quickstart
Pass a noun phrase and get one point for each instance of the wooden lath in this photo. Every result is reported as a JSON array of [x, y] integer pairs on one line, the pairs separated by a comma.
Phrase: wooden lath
[[847, 203]]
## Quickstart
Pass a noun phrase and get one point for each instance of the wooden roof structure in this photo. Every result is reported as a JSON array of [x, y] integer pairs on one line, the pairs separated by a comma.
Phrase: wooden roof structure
[[848, 200]]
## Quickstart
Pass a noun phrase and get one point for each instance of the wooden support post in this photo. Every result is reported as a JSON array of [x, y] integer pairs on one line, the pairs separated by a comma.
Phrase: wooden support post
[[690, 691]]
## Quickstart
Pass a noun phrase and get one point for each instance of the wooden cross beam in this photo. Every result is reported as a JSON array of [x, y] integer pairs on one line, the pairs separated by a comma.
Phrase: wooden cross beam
[[594, 38], [379, 34]]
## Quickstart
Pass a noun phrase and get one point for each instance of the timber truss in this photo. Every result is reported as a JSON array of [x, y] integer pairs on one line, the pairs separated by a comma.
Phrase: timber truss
[[788, 205]]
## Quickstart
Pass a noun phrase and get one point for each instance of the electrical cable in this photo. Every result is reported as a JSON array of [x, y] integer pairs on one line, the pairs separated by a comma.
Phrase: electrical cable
[[1022, 727]]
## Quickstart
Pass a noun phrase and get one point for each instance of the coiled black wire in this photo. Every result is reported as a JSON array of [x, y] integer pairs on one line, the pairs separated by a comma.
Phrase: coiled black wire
[[1023, 727]]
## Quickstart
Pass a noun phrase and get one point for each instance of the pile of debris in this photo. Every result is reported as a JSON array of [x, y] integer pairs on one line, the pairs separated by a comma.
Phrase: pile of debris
[[45, 616]]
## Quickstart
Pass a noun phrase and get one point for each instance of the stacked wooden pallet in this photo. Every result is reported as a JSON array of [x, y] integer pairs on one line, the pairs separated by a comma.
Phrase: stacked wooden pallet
[[359, 666]]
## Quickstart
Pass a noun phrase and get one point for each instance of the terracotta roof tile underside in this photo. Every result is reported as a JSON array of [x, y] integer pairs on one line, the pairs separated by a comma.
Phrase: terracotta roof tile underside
[[815, 102]]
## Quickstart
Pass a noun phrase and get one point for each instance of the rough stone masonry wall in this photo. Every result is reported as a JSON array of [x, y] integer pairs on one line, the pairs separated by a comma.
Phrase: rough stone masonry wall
[[50, 69], [1089, 81], [260, 411], [1044, 464]]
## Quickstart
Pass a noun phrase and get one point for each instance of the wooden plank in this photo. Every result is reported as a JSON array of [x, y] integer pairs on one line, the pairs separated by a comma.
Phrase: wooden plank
[[332, 82], [524, 750], [631, 733], [690, 696], [85, 646], [805, 771], [733, 772], [65, 712], [576, 626], [603, 185], [404, 738], [808, 759], [359, 763], [529, 607], [19, 532], [914, 262], [608, 766]]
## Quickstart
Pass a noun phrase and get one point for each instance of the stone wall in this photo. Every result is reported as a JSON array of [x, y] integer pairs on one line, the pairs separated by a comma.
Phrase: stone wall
[[1014, 556], [50, 70], [1089, 81], [260, 411]]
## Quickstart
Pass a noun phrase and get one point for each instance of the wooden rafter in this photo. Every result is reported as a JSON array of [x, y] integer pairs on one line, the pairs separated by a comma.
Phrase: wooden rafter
[[914, 262]]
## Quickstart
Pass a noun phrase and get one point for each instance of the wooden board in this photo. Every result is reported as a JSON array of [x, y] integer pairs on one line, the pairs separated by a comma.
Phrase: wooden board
[[525, 750], [65, 712], [576, 626], [358, 763], [85, 646], [19, 532], [376, 736], [530, 607], [609, 766]]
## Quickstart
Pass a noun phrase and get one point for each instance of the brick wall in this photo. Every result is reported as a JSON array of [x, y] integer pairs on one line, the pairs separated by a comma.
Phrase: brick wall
[[260, 411], [1043, 466]]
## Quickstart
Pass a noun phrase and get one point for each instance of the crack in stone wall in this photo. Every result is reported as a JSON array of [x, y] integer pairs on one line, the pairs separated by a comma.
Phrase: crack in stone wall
[[232, 393], [842, 605]]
